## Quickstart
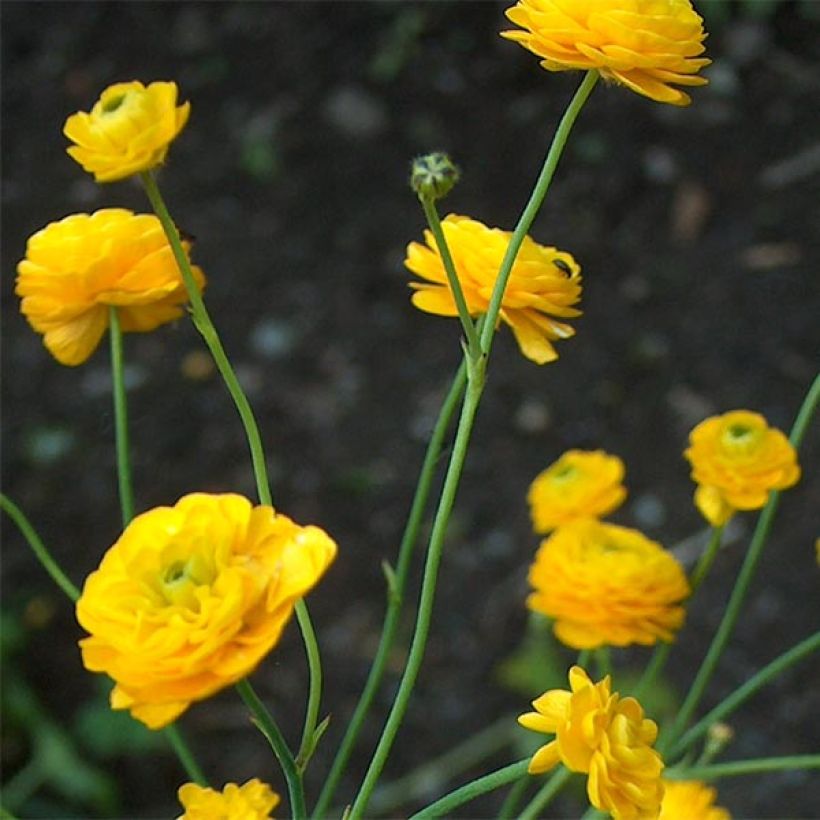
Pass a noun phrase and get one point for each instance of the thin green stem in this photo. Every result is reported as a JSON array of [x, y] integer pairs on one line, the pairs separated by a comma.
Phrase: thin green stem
[[266, 724], [743, 693], [583, 658], [653, 669], [121, 418], [184, 754], [532, 207], [38, 547], [516, 794], [545, 794], [307, 746], [488, 783], [706, 559], [740, 767], [742, 584], [396, 589], [603, 659], [428, 590], [467, 323]]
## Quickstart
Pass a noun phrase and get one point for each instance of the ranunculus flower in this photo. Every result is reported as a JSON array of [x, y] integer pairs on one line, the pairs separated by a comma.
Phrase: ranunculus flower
[[737, 460], [77, 268], [649, 46], [128, 130], [605, 736], [581, 484], [607, 585], [192, 597], [254, 800], [544, 282], [690, 800]]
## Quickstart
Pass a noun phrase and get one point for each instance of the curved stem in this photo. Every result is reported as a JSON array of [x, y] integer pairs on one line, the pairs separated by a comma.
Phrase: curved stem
[[530, 211], [741, 587], [184, 754], [38, 547], [470, 791], [266, 724], [308, 744], [744, 692], [510, 804], [395, 591], [739, 767], [706, 559], [120, 418], [543, 797]]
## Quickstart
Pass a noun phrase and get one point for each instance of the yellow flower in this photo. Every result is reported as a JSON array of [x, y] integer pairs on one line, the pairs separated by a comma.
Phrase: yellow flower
[[607, 585], [737, 459], [544, 282], [253, 801], [581, 484], [128, 130], [76, 268], [192, 597], [690, 800], [605, 736], [646, 45]]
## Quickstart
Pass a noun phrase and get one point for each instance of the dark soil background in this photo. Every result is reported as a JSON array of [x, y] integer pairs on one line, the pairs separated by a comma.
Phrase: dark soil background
[[697, 233]]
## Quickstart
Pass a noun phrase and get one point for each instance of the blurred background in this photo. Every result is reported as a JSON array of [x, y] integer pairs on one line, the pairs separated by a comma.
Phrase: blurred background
[[697, 232]]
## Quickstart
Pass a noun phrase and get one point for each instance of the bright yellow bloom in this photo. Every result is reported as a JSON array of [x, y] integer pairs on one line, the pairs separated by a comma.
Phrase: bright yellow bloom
[[192, 597], [646, 45], [253, 801], [737, 459], [607, 585], [75, 269], [544, 282], [581, 484], [690, 800], [605, 736], [128, 130]]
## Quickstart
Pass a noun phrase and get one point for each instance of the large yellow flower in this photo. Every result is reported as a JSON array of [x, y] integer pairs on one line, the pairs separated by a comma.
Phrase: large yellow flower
[[737, 460], [647, 45], [690, 800], [581, 484], [603, 735], [544, 282], [254, 800], [128, 130], [607, 585], [75, 269], [192, 597]]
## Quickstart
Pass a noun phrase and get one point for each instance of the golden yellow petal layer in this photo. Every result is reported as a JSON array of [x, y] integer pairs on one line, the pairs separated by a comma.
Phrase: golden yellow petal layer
[[254, 800], [688, 799]]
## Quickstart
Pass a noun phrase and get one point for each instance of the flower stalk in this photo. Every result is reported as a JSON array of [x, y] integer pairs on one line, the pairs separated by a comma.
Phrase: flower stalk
[[121, 418], [555, 782], [735, 768]]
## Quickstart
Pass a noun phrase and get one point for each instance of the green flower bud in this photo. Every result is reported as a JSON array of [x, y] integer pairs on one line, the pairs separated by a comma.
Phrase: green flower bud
[[433, 175]]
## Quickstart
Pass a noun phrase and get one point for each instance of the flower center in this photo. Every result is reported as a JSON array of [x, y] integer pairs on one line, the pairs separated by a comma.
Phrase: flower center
[[112, 104], [564, 473], [740, 439]]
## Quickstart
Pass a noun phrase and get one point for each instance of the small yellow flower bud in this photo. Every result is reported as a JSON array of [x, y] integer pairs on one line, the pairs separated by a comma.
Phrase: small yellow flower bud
[[433, 176]]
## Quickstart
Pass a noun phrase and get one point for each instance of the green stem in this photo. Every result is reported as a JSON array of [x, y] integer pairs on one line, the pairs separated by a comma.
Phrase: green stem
[[467, 323], [121, 418], [545, 794], [653, 669], [266, 724], [447, 766], [533, 205], [395, 591], [740, 767], [207, 329], [706, 559], [38, 547], [741, 587], [307, 746], [744, 692], [511, 801], [428, 591], [603, 659], [184, 754], [583, 658], [442, 807]]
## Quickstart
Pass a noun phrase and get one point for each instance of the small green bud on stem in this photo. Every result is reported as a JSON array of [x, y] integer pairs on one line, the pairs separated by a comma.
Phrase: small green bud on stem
[[432, 176]]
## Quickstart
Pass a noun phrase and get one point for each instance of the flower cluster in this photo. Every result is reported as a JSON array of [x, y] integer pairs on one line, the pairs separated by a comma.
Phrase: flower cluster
[[649, 46], [581, 484], [737, 460], [605, 736], [192, 597], [607, 585], [544, 282], [688, 799], [128, 130], [254, 800], [79, 267]]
